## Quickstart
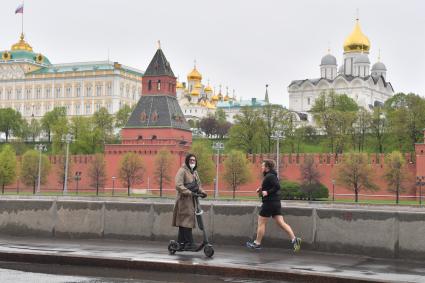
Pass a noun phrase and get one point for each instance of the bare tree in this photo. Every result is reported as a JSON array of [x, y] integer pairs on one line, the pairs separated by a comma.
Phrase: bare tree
[[97, 172], [309, 176], [131, 170], [163, 163]]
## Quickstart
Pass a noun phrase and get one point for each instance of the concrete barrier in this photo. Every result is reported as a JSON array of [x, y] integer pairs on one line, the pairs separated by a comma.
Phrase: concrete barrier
[[364, 231]]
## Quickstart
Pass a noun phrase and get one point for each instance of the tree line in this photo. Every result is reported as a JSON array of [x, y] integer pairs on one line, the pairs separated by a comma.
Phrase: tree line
[[340, 125], [90, 133]]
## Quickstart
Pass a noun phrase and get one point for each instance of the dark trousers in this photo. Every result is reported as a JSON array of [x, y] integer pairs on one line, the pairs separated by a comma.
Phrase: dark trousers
[[185, 235]]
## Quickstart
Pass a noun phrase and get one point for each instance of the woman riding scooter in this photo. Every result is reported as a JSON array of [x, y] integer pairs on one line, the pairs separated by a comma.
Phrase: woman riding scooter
[[188, 186]]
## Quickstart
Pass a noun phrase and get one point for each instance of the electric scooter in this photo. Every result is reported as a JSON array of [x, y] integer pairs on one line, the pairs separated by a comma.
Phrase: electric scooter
[[174, 246]]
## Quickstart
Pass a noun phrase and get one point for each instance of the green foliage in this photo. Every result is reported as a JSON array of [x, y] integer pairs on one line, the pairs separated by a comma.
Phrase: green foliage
[[246, 133], [396, 174], [7, 166], [53, 119], [406, 119], [271, 116], [103, 125], [290, 190], [131, 170], [29, 168], [336, 114], [236, 170], [11, 122], [34, 129], [122, 116], [356, 173], [293, 190], [205, 164]]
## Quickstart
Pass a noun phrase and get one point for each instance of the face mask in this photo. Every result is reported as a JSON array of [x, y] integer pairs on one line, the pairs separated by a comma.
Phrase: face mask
[[192, 165]]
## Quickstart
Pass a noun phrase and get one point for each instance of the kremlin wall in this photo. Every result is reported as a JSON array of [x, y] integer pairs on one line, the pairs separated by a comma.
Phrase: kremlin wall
[[289, 169]]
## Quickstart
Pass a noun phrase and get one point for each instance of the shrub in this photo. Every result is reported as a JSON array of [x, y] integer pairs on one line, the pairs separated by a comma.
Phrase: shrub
[[293, 190], [290, 190]]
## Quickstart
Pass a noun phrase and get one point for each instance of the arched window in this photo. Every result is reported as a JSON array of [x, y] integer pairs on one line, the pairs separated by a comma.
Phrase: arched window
[[159, 84], [154, 137], [150, 85]]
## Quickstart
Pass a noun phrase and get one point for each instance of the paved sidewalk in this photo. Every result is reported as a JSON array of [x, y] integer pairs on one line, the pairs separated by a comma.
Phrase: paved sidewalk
[[274, 264]]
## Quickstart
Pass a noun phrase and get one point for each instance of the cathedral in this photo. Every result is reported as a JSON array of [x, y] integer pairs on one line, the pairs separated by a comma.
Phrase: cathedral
[[354, 77], [198, 100]]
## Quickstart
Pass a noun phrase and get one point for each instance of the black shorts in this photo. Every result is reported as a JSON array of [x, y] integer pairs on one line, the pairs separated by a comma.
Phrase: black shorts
[[271, 208]]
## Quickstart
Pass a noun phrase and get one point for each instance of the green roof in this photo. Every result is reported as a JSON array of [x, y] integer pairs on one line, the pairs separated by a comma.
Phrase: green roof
[[82, 67], [24, 55]]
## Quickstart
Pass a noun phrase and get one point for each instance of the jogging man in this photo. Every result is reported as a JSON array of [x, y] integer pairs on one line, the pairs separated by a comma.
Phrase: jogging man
[[271, 207]]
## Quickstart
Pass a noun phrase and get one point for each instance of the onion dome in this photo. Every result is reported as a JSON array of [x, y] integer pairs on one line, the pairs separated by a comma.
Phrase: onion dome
[[194, 75], [327, 60], [198, 85], [195, 92], [226, 98], [379, 66], [179, 85], [208, 89], [357, 41], [22, 45], [214, 98], [210, 105]]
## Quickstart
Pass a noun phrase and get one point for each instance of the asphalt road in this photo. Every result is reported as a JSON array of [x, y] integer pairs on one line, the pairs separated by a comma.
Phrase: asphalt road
[[44, 273]]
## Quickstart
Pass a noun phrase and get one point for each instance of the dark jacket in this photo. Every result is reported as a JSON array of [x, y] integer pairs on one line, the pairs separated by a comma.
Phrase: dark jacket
[[271, 185]]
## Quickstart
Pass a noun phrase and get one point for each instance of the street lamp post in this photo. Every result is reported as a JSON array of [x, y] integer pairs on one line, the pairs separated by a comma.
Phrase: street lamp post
[[113, 185], [420, 180], [217, 146], [68, 138], [77, 178], [333, 190], [40, 148], [277, 135]]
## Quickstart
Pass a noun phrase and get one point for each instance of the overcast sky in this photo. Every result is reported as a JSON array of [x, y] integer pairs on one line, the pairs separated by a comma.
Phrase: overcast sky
[[243, 44]]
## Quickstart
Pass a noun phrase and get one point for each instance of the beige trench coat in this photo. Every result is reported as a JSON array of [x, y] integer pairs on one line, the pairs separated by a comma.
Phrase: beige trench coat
[[184, 208]]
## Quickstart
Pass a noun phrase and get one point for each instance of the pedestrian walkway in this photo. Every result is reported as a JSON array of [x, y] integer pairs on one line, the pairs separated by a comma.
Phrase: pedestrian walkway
[[268, 263]]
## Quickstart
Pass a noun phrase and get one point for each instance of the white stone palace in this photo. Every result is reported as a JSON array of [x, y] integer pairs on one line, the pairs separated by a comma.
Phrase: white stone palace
[[32, 85], [367, 86]]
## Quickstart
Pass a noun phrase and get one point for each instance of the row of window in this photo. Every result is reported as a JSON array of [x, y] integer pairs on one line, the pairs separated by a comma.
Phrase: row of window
[[58, 92], [77, 109]]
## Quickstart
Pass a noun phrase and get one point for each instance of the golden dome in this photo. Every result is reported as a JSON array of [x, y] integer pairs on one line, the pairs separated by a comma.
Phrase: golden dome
[[226, 98], [208, 89], [210, 105], [357, 41], [195, 92], [179, 85], [198, 85], [22, 45], [194, 75], [214, 98]]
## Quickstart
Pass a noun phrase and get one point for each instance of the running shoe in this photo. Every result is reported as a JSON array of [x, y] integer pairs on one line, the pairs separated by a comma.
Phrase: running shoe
[[296, 244], [253, 245]]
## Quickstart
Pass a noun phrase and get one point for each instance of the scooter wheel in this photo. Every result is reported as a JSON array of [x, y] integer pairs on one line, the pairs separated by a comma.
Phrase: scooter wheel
[[172, 248], [209, 251]]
